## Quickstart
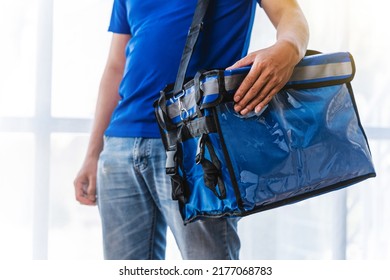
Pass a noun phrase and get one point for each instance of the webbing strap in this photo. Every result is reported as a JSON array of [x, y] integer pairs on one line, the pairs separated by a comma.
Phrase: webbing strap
[[178, 184], [212, 174], [192, 38]]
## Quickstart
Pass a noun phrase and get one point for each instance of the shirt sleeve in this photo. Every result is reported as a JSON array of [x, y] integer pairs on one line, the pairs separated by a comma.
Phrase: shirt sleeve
[[119, 22]]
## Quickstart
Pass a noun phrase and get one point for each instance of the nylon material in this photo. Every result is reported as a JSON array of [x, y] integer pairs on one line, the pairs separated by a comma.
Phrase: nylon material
[[210, 98], [178, 118], [188, 101], [293, 142], [243, 70], [312, 69], [191, 112], [307, 142], [335, 80], [233, 82], [202, 198], [210, 89], [210, 86], [230, 200], [322, 58], [160, 114]]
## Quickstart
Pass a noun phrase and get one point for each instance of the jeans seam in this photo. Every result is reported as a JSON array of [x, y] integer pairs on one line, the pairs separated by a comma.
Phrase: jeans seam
[[225, 234], [148, 148], [145, 157], [152, 233]]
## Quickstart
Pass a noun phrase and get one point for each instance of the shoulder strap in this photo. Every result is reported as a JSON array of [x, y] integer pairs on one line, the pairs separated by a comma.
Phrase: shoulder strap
[[192, 38]]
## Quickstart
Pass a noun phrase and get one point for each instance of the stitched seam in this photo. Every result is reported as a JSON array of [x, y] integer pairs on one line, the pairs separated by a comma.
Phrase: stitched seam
[[227, 257], [152, 235]]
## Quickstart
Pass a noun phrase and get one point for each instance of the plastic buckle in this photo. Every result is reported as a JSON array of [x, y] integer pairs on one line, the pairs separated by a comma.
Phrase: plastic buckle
[[170, 163]]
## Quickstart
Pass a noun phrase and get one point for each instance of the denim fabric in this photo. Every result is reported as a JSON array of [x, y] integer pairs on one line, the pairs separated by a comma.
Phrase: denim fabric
[[134, 199]]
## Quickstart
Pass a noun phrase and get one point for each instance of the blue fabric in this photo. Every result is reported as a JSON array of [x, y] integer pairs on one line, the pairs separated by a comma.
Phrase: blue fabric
[[136, 207], [307, 142], [200, 200], [311, 71], [158, 29]]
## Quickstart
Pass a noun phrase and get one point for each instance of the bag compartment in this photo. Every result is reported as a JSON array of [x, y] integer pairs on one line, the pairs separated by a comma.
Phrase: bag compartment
[[310, 138]]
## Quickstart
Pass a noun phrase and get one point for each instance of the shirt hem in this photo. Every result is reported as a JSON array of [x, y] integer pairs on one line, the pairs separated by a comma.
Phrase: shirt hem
[[130, 134]]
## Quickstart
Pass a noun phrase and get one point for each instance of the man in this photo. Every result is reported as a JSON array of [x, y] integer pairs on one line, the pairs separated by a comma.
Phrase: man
[[133, 192]]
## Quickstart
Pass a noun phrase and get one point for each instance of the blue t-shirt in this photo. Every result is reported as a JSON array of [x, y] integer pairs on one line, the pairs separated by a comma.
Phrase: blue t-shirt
[[158, 31]]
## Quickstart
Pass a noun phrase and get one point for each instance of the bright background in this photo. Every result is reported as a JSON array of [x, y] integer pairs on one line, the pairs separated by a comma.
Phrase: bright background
[[52, 54]]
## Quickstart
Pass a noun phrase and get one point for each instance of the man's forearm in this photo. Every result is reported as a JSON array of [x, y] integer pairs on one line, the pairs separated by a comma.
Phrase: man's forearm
[[108, 96], [272, 67], [294, 32], [290, 24], [107, 100]]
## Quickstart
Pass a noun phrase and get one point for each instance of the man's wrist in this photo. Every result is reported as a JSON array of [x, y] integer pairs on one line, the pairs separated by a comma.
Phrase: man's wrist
[[295, 53]]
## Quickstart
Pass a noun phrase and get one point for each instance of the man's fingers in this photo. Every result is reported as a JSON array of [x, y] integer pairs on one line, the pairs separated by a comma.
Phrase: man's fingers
[[251, 93], [256, 96], [247, 89], [259, 103], [81, 193], [267, 76], [91, 190]]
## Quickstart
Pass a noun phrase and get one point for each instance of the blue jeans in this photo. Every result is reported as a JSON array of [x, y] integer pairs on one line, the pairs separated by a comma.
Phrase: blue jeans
[[135, 204]]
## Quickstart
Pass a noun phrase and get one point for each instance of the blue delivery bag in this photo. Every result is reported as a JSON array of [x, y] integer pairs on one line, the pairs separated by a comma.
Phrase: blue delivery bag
[[308, 140]]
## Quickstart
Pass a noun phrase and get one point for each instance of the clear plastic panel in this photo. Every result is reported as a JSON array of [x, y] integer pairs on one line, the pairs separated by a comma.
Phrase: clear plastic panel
[[305, 141]]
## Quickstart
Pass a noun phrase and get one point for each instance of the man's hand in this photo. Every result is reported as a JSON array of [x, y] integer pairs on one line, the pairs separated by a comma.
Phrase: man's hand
[[85, 183], [271, 69]]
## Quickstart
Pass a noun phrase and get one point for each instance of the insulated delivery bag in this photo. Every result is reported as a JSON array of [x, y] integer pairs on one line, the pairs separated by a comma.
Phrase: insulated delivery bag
[[307, 142]]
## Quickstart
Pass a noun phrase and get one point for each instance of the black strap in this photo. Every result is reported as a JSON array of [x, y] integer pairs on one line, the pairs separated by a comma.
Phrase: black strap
[[212, 169], [212, 174], [192, 38], [197, 127]]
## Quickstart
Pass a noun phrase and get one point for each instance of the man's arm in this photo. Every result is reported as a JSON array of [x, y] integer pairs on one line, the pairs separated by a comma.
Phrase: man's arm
[[272, 67], [108, 97]]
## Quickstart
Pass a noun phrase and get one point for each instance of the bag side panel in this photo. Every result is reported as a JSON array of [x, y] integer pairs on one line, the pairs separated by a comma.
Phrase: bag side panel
[[304, 141], [202, 201]]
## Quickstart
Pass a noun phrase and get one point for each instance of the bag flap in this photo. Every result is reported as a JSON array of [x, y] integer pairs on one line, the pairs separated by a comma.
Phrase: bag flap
[[312, 71]]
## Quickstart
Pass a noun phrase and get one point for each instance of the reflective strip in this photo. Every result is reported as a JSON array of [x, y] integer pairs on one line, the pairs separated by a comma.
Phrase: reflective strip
[[331, 71], [233, 82], [312, 69], [209, 87], [328, 58]]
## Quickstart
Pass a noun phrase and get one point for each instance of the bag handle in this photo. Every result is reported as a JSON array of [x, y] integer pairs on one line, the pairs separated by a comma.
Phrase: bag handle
[[192, 38]]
